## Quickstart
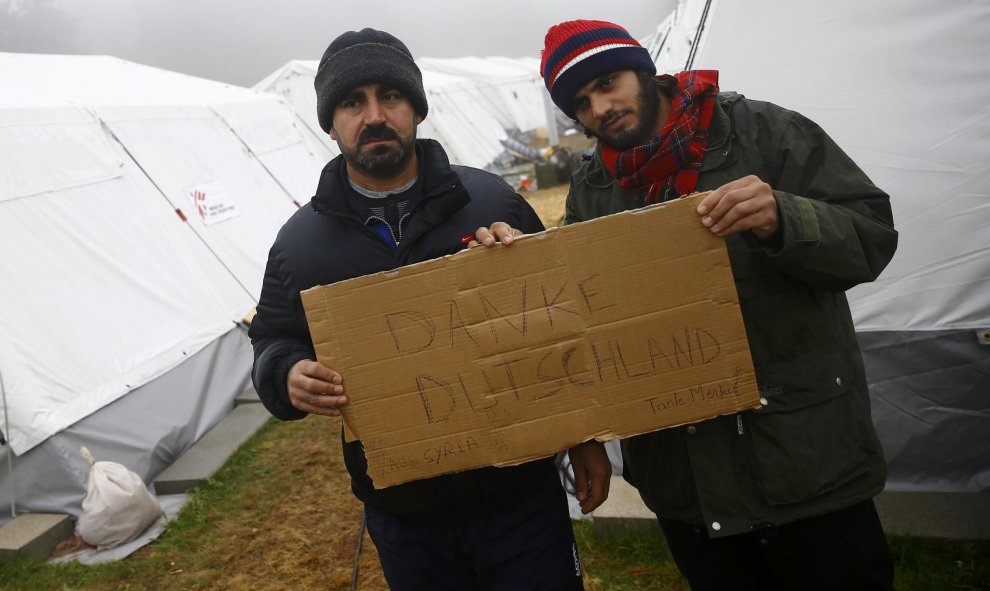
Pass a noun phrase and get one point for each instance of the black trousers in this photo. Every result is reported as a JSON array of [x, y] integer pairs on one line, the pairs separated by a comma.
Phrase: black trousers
[[524, 543], [841, 551]]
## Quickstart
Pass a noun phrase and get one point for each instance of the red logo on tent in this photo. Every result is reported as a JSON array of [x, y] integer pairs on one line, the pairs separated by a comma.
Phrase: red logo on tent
[[199, 198]]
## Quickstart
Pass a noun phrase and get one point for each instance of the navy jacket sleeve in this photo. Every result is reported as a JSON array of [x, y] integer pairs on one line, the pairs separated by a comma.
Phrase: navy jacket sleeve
[[279, 342]]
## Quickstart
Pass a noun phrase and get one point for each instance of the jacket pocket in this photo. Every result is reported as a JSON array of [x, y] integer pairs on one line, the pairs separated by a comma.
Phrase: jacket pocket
[[814, 435]]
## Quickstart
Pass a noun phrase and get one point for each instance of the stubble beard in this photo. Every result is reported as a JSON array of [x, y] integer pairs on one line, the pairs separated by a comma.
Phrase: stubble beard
[[381, 161], [648, 103]]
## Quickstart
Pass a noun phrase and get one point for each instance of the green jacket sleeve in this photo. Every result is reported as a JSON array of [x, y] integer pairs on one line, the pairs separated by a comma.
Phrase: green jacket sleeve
[[837, 227]]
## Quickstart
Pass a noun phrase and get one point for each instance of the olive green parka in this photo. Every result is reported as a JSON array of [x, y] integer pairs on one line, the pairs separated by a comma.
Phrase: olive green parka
[[812, 448]]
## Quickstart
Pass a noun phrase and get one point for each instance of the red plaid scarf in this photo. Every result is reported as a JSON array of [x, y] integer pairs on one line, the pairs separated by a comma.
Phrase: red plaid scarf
[[667, 166]]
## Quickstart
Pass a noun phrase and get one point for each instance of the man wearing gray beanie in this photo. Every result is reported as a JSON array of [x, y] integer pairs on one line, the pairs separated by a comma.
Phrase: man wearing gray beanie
[[391, 200]]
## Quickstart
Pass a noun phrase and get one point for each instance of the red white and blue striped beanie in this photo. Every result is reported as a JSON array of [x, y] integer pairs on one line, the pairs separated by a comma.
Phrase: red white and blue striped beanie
[[577, 52]]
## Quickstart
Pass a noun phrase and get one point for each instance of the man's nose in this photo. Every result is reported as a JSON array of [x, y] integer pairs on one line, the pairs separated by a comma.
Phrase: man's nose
[[374, 113], [600, 106]]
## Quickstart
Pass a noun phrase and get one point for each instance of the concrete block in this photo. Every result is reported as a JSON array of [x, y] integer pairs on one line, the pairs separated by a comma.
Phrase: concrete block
[[959, 516], [210, 453], [247, 396], [33, 535], [622, 511]]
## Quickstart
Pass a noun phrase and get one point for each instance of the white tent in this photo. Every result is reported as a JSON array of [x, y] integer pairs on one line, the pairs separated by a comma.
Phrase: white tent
[[904, 88], [294, 83], [511, 89], [469, 133], [136, 210], [474, 103]]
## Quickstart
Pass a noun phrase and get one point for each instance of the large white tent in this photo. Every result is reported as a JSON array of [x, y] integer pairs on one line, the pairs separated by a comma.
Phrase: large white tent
[[904, 87], [136, 209]]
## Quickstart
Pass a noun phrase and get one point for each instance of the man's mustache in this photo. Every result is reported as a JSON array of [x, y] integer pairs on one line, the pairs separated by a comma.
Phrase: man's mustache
[[377, 133], [610, 117]]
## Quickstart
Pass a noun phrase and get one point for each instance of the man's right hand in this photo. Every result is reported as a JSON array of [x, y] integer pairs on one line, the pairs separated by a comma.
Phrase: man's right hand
[[492, 235], [316, 389], [592, 474]]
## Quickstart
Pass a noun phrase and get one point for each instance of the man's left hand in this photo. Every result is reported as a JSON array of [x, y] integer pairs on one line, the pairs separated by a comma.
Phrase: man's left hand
[[744, 204], [492, 235]]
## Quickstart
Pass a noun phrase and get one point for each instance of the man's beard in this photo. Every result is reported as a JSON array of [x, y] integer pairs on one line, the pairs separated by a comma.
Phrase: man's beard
[[382, 161], [648, 101]]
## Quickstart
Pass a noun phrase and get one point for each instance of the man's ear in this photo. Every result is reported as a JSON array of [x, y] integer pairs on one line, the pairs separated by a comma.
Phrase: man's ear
[[333, 134], [418, 119]]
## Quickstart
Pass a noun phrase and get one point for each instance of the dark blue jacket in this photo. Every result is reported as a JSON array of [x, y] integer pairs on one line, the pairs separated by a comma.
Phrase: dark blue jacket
[[327, 241]]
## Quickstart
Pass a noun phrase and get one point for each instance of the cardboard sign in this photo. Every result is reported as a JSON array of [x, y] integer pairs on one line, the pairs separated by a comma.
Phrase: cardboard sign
[[609, 328]]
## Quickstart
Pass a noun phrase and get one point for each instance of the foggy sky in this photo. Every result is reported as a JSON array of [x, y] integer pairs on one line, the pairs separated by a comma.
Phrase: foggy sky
[[243, 41]]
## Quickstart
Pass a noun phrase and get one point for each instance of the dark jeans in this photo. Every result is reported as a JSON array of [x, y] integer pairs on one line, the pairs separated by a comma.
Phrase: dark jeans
[[841, 551], [525, 543]]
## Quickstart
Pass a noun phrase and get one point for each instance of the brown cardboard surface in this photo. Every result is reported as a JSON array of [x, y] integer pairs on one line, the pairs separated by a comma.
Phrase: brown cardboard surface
[[609, 328]]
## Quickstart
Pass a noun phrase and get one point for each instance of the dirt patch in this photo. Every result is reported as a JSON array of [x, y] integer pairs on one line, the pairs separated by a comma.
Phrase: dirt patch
[[286, 520], [548, 203], [280, 516], [300, 529]]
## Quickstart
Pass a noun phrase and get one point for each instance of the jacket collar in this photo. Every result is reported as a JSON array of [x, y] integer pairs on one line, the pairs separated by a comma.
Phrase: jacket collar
[[332, 191], [719, 132]]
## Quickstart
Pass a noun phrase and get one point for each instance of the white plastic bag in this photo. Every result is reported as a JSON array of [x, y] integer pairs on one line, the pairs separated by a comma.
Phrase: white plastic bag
[[118, 506]]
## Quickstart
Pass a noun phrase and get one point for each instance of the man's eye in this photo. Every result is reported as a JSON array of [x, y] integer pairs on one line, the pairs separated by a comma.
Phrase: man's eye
[[580, 104], [607, 83], [392, 96]]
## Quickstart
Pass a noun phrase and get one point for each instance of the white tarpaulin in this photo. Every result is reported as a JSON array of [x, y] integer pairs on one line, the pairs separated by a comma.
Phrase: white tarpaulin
[[511, 89], [113, 283], [904, 89]]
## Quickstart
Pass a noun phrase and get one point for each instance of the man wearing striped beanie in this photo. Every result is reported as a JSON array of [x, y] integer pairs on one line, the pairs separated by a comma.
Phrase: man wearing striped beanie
[[780, 497]]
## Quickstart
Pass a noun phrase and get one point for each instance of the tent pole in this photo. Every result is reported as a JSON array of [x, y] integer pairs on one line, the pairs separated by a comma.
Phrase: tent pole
[[161, 192], [552, 138], [697, 35], [255, 156]]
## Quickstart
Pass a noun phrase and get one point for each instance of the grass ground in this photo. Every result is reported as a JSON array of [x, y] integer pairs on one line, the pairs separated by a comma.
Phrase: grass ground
[[280, 515], [549, 204]]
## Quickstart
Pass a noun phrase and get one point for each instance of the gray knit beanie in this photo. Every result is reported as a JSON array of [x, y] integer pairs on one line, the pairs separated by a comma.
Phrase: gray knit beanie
[[365, 57]]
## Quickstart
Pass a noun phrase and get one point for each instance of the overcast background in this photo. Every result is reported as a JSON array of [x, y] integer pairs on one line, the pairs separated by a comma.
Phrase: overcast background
[[243, 41]]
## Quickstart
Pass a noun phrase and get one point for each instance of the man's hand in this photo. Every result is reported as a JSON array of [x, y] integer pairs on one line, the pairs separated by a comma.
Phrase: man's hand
[[592, 474], [316, 389], [492, 235], [744, 204]]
